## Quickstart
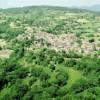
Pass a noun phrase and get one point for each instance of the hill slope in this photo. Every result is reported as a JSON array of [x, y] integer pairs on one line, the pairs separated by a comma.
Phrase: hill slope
[[49, 53]]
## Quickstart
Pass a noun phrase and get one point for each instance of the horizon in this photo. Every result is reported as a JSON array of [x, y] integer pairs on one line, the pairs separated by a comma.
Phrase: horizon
[[61, 3]]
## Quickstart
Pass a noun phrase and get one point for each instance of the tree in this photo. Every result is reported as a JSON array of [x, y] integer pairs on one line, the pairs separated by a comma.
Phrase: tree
[[91, 40], [61, 78], [44, 76]]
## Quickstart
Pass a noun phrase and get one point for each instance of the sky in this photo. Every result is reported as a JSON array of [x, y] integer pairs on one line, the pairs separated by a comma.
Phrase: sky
[[65, 3]]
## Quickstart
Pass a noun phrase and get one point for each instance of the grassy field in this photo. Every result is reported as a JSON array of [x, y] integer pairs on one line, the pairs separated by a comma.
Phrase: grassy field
[[74, 75]]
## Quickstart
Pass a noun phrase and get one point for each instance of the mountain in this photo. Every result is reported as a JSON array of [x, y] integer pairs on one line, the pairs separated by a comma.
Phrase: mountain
[[92, 8]]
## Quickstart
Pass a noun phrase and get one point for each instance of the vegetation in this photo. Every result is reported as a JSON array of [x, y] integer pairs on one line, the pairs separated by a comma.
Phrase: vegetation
[[37, 70]]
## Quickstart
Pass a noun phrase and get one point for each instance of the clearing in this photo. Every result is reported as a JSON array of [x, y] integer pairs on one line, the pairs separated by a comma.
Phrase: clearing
[[74, 75]]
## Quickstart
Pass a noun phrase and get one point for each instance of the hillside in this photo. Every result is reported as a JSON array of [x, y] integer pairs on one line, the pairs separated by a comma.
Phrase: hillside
[[49, 53]]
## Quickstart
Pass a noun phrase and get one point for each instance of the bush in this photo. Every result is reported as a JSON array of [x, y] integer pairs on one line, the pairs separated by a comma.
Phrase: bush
[[61, 78], [91, 40]]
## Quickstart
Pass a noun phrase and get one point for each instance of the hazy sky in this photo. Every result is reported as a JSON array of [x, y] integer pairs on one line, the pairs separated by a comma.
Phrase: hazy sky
[[20, 3]]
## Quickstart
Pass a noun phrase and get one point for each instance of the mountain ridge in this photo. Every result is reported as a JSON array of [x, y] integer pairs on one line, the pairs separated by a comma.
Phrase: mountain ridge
[[91, 8]]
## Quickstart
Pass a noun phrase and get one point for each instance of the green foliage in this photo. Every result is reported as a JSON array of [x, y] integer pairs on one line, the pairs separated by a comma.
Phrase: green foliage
[[42, 73], [50, 81], [91, 40]]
